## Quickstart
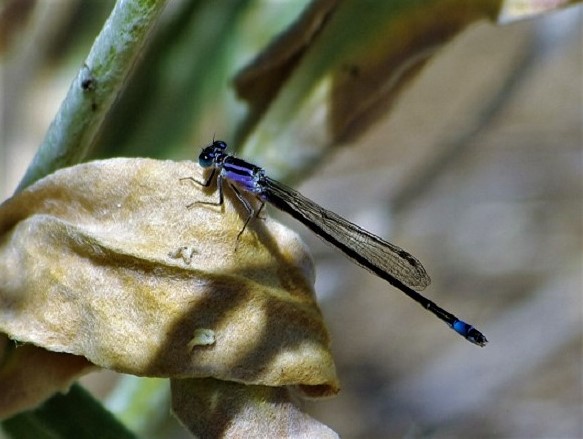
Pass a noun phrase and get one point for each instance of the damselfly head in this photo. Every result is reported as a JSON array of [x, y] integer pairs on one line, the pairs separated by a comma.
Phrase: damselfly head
[[209, 155]]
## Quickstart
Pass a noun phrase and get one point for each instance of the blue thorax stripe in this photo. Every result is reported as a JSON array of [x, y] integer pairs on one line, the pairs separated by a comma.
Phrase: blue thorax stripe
[[241, 172]]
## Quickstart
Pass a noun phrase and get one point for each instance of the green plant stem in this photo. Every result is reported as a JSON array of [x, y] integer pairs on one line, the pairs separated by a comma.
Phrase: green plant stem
[[95, 87]]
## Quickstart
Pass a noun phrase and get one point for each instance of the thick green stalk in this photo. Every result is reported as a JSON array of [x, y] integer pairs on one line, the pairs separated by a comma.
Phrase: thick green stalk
[[95, 87]]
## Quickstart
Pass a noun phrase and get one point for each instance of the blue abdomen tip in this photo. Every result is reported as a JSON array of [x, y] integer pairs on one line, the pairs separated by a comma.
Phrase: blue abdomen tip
[[462, 327]]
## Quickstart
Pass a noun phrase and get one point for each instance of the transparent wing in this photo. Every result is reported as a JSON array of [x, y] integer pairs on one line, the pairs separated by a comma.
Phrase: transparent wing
[[384, 259]]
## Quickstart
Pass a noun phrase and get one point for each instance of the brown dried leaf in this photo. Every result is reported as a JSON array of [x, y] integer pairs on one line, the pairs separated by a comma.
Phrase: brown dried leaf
[[514, 10], [342, 66], [259, 82], [217, 409], [343, 74], [103, 260], [24, 385]]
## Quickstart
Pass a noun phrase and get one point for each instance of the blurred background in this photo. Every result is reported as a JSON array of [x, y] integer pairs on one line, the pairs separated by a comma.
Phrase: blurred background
[[477, 171]]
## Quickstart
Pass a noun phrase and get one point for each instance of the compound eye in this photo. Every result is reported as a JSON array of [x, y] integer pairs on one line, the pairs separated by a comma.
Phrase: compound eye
[[220, 144], [205, 159]]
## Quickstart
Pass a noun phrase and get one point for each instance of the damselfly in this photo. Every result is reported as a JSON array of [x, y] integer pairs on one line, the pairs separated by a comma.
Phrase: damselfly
[[386, 260]]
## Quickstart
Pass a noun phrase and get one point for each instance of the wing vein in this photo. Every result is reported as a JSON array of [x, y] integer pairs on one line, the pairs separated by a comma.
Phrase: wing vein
[[364, 248]]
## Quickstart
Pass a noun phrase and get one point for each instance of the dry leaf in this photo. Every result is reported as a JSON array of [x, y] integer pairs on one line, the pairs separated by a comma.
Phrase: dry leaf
[[103, 260], [217, 409], [514, 10], [30, 374], [260, 81], [338, 69]]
